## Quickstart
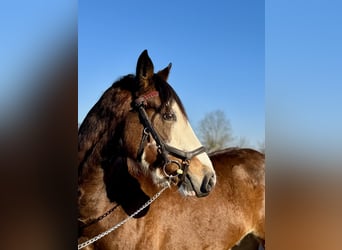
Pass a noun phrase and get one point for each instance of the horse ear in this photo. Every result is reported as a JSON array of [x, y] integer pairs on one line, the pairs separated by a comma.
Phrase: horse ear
[[164, 73], [145, 70]]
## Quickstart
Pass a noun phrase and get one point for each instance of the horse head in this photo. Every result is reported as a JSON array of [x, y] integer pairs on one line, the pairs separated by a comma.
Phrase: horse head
[[158, 138]]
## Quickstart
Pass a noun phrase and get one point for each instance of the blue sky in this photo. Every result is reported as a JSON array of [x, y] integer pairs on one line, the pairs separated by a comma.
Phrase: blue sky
[[217, 52], [219, 44], [304, 80]]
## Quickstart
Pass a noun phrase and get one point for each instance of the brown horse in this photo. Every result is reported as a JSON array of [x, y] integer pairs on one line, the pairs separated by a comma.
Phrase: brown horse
[[122, 165], [133, 142]]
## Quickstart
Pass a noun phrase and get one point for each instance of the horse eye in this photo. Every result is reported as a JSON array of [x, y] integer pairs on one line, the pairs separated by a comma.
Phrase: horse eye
[[169, 116]]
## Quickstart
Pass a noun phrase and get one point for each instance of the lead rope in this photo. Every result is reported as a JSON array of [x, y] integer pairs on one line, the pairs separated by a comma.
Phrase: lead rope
[[99, 236]]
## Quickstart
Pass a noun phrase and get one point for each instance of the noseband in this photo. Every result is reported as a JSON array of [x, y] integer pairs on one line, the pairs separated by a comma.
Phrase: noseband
[[163, 149]]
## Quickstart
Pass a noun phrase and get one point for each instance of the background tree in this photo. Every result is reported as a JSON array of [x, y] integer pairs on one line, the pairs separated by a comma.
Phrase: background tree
[[215, 131], [262, 147], [243, 142]]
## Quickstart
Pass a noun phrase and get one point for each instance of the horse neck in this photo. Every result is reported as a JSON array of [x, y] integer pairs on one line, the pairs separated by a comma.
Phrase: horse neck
[[95, 133], [92, 201]]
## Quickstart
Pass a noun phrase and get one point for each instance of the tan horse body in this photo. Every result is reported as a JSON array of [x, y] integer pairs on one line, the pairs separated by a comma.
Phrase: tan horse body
[[234, 208]]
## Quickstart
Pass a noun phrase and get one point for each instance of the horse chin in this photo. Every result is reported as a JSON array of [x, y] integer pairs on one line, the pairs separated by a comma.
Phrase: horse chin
[[187, 188], [186, 192]]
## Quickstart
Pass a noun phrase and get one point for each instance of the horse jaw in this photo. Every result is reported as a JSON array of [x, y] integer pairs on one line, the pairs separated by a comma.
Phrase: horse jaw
[[183, 190]]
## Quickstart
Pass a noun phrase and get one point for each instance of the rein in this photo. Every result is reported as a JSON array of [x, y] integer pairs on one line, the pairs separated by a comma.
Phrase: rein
[[99, 236], [100, 217]]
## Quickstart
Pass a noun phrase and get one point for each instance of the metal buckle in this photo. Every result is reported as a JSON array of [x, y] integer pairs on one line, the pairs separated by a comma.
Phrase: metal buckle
[[178, 172]]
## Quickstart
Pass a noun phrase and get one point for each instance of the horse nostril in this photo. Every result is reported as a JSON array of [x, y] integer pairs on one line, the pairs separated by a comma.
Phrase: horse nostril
[[212, 182], [208, 183]]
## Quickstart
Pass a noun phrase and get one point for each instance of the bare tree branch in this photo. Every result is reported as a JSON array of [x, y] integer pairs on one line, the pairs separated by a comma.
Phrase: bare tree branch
[[215, 131]]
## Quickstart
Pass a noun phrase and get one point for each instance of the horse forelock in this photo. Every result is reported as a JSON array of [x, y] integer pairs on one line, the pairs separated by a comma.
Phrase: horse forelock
[[167, 94]]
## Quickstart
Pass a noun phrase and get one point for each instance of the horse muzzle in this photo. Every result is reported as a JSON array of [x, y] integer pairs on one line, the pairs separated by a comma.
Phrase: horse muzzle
[[192, 185]]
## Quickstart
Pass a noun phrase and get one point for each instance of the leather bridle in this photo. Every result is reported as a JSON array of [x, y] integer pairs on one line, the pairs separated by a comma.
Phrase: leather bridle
[[163, 148]]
